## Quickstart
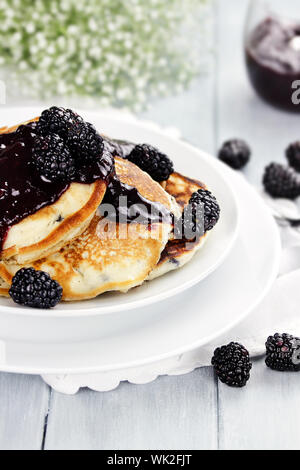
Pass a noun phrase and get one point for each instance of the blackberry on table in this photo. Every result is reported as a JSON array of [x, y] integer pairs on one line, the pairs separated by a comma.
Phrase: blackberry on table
[[280, 350], [85, 144], [281, 181], [52, 159], [232, 364], [35, 289], [235, 153], [57, 120], [152, 161], [293, 155]]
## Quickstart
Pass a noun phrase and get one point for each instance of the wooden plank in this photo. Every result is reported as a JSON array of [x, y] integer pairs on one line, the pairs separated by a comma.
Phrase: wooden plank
[[23, 410], [263, 415], [170, 413]]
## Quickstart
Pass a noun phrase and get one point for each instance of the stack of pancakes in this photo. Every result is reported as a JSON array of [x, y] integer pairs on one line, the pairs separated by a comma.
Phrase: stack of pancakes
[[71, 241]]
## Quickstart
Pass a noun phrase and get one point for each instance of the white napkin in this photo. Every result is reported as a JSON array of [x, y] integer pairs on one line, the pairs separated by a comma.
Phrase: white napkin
[[279, 312]]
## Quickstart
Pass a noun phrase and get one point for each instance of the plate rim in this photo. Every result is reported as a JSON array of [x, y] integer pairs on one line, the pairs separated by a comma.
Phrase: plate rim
[[134, 304]]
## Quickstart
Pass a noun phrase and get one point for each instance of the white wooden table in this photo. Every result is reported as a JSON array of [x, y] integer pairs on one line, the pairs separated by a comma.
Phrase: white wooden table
[[192, 411]]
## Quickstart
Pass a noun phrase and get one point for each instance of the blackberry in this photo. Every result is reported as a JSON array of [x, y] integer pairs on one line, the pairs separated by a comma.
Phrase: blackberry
[[232, 364], [57, 120], [85, 144], [52, 159], [83, 172], [235, 153], [197, 221], [281, 181], [293, 155], [282, 351], [35, 289], [152, 161]]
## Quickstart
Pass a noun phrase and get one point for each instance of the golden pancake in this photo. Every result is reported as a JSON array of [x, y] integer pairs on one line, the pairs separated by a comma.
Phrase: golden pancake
[[108, 257], [4, 288]]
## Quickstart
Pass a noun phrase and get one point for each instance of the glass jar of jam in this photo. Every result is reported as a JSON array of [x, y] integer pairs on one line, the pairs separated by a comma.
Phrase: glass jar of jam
[[272, 51]]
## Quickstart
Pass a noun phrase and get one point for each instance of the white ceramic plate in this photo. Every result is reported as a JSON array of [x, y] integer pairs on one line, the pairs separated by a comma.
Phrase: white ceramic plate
[[187, 160], [156, 332]]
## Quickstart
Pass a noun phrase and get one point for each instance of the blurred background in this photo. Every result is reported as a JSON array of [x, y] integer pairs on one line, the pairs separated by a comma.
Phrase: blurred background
[[212, 69]]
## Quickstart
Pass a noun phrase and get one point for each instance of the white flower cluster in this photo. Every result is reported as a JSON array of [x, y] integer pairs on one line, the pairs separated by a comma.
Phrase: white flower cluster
[[121, 51]]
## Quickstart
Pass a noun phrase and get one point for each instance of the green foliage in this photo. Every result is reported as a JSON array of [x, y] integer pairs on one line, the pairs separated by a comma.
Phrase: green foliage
[[120, 51]]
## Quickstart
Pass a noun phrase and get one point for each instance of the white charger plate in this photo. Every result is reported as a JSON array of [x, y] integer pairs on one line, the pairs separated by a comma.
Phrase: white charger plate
[[76, 344], [187, 160]]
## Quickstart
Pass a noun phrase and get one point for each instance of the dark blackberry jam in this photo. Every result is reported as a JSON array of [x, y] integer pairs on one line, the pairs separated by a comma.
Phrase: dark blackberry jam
[[135, 207], [273, 62], [22, 190]]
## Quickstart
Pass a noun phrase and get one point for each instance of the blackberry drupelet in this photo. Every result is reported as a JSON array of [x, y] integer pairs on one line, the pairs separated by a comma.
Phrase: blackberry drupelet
[[281, 181], [193, 218], [235, 153], [280, 349], [85, 144], [152, 161], [232, 364], [35, 289], [293, 155], [52, 159], [57, 120]]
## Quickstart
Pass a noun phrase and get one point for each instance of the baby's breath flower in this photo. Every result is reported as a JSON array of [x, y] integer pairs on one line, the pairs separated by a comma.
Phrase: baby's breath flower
[[120, 52]]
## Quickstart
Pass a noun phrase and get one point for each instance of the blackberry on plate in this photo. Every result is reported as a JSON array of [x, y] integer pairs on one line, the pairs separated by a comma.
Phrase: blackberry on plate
[[85, 144], [52, 159], [281, 181], [293, 155], [57, 120], [83, 171], [152, 161], [202, 213], [35, 289], [232, 364], [235, 153], [283, 352]]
